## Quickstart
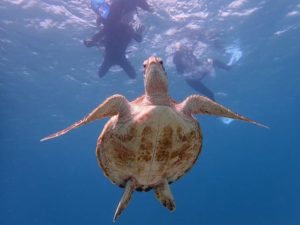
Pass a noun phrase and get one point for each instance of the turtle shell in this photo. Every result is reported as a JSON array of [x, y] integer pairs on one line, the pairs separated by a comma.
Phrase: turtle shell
[[156, 143]]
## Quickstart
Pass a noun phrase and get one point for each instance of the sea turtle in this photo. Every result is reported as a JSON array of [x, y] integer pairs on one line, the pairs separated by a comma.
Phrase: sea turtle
[[151, 141]]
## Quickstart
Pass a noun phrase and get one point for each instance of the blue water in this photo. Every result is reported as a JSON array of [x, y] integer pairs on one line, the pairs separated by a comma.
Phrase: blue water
[[245, 174]]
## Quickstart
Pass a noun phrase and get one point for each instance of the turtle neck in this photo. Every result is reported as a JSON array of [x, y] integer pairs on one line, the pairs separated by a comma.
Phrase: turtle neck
[[157, 99]]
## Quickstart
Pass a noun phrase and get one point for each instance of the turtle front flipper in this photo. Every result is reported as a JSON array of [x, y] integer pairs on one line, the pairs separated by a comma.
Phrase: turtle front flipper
[[129, 188], [114, 105], [196, 104], [164, 195]]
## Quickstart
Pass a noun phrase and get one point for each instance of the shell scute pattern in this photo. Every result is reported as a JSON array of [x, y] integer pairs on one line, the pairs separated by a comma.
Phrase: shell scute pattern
[[146, 144], [162, 147]]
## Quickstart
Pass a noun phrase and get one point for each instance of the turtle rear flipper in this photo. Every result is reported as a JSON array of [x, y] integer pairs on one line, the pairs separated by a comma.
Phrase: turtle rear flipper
[[164, 195], [129, 188]]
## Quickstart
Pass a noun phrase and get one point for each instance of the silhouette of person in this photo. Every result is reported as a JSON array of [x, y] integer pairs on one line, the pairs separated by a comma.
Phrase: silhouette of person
[[193, 70], [116, 32], [116, 41]]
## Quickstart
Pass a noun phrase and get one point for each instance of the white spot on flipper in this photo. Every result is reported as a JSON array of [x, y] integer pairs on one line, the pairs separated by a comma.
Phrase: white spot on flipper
[[226, 120]]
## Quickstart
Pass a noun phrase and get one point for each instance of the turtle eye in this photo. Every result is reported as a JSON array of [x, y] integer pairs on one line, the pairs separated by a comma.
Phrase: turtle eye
[[162, 64]]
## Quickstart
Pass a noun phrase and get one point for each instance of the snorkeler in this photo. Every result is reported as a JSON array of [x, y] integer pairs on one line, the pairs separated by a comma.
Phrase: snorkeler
[[116, 41], [108, 15], [116, 32], [194, 71]]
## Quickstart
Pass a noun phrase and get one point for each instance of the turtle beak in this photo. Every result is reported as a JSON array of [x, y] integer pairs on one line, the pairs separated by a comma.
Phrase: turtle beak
[[154, 66], [155, 79]]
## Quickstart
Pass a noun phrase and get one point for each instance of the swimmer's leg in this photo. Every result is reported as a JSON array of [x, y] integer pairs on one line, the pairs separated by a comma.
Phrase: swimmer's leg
[[105, 66], [198, 86], [128, 68]]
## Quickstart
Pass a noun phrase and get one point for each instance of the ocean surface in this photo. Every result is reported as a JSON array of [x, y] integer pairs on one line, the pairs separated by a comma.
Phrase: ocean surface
[[245, 175]]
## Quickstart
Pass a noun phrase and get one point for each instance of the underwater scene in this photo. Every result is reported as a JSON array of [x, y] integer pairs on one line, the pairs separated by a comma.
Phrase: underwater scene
[[61, 59]]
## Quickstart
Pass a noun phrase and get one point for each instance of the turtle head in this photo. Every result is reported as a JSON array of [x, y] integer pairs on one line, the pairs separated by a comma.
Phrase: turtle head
[[155, 77]]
